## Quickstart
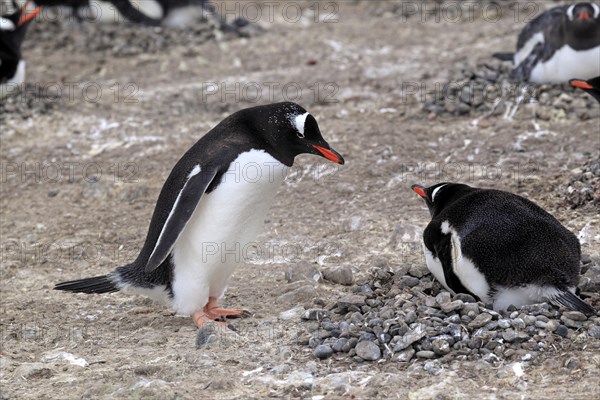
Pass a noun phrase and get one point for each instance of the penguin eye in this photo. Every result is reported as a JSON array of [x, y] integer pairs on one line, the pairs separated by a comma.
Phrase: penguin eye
[[435, 191], [300, 135]]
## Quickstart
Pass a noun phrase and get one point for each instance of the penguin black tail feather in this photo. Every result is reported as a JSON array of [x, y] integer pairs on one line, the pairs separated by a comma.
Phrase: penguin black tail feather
[[97, 284], [504, 56], [573, 302]]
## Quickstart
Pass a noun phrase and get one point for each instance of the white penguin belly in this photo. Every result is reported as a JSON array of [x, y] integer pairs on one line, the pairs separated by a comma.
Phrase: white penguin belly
[[523, 295], [222, 228], [567, 64]]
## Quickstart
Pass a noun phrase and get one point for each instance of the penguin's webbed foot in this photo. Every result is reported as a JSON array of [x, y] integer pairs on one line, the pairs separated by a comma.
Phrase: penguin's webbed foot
[[213, 311]]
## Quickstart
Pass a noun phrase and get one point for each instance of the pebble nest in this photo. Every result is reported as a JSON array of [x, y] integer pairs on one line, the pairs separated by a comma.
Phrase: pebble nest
[[583, 185], [405, 315], [485, 89]]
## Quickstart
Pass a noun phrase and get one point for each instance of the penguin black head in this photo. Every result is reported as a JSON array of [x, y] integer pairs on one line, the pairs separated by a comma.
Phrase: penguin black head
[[591, 86], [583, 16], [440, 195], [12, 34], [290, 130]]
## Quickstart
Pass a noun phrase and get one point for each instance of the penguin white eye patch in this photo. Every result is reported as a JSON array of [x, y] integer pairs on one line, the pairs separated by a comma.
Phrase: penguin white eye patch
[[299, 121], [435, 191]]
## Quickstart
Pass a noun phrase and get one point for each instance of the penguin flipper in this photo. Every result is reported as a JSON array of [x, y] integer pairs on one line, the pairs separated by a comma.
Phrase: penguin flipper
[[97, 284], [443, 249], [572, 301], [183, 208], [522, 72]]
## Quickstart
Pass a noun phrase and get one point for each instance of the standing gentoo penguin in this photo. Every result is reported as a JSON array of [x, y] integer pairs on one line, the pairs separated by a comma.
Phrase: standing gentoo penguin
[[12, 33], [592, 86], [560, 44], [499, 247], [211, 206]]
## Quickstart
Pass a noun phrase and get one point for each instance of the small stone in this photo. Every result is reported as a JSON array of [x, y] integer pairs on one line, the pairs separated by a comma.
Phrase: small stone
[[368, 350], [552, 325], [351, 300], [443, 298], [594, 331], [468, 308], [518, 323], [425, 354], [410, 317], [405, 355], [409, 281], [292, 314], [441, 347], [349, 345], [570, 323], [298, 295], [315, 314], [504, 323], [452, 306], [562, 331], [480, 320], [465, 298], [323, 351], [418, 270], [575, 315], [302, 271], [341, 275]]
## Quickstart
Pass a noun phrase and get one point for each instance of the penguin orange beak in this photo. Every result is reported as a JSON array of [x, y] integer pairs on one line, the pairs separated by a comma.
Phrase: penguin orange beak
[[25, 16], [583, 15], [330, 154], [420, 190], [580, 84]]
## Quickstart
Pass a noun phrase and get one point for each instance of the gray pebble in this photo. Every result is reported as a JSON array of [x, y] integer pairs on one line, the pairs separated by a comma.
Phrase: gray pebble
[[315, 314], [480, 320], [518, 323], [575, 315], [368, 350], [594, 331], [441, 347], [452, 306], [465, 298], [562, 330], [405, 355], [350, 345], [323, 351], [551, 325], [339, 344], [425, 354], [341, 275], [570, 323], [443, 298]]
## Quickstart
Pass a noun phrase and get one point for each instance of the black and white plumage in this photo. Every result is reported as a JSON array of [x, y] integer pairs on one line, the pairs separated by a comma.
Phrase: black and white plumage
[[591, 86], [13, 28], [169, 13], [212, 205], [560, 44], [499, 247]]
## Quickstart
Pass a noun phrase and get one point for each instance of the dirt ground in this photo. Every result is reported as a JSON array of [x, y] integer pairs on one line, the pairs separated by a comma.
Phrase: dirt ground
[[80, 177]]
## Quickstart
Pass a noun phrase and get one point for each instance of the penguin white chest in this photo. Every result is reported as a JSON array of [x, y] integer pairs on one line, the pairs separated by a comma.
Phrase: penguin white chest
[[222, 229], [566, 64]]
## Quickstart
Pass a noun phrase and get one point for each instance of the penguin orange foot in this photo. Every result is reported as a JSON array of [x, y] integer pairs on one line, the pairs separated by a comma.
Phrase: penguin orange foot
[[213, 310]]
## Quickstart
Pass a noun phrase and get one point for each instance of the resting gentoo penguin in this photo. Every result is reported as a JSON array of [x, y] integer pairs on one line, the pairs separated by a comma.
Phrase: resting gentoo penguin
[[211, 206], [12, 33], [499, 247], [560, 44], [592, 86]]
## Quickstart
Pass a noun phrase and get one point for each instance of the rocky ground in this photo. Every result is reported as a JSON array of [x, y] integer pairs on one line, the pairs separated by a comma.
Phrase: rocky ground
[[341, 302]]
